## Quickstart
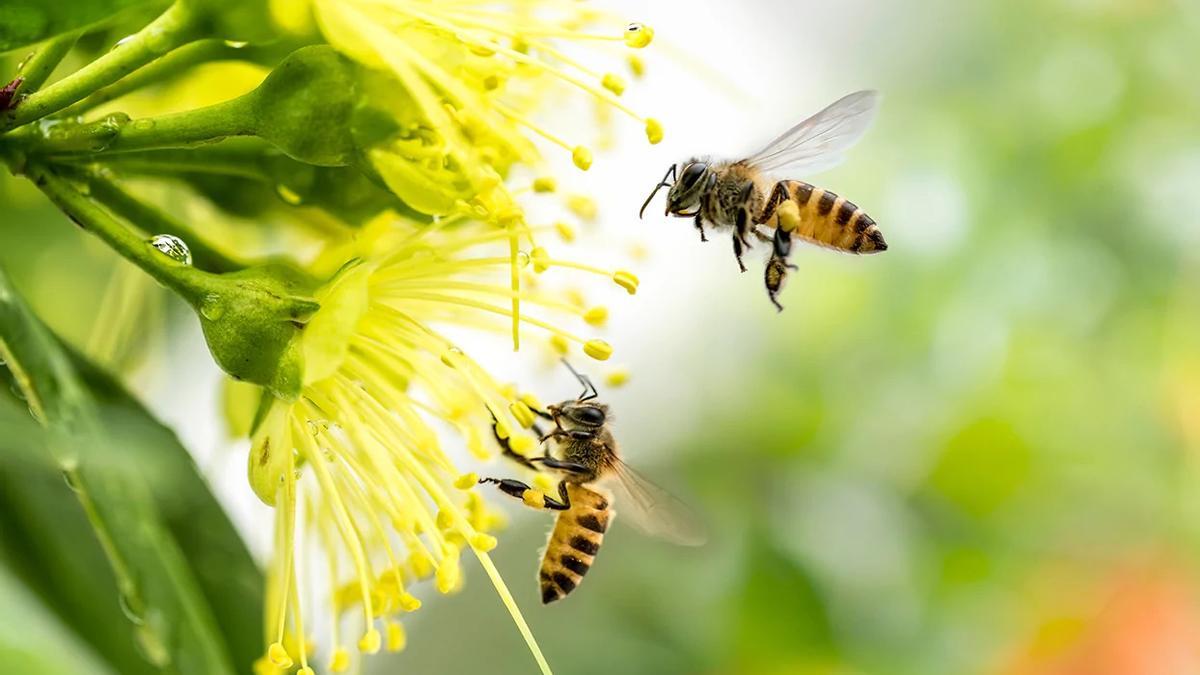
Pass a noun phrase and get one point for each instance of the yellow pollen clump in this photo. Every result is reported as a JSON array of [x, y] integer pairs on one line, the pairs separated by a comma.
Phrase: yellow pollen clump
[[789, 216], [279, 656], [638, 35], [396, 639], [466, 481], [522, 414], [534, 498], [582, 157], [598, 349], [545, 184], [617, 377], [340, 661], [370, 641], [565, 231], [613, 83], [541, 259], [654, 130], [626, 280], [596, 316]]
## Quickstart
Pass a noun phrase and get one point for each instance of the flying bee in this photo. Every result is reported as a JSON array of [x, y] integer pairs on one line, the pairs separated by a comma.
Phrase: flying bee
[[743, 196], [586, 455]]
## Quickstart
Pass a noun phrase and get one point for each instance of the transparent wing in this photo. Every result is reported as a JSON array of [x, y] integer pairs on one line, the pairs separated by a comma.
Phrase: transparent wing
[[819, 142], [652, 509]]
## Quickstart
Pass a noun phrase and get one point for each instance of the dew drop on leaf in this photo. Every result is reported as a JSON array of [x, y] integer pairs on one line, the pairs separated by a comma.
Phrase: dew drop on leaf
[[173, 247]]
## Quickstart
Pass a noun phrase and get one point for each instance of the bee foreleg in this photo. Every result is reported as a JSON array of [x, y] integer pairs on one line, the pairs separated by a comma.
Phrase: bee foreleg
[[569, 467], [700, 226], [532, 497]]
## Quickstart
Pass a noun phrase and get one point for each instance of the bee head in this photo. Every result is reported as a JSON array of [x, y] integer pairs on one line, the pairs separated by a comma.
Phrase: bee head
[[685, 190], [587, 414]]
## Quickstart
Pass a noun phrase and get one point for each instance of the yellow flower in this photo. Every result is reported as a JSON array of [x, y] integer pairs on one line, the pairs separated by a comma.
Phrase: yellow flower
[[357, 463]]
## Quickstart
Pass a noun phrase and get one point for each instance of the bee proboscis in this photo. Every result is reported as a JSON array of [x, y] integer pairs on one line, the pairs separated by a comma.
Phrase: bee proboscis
[[588, 455], [744, 195]]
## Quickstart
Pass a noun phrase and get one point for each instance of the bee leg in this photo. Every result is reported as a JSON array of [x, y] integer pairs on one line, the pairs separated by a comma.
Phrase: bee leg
[[515, 488], [569, 467], [700, 226], [737, 251], [507, 450], [762, 236], [779, 195], [782, 243]]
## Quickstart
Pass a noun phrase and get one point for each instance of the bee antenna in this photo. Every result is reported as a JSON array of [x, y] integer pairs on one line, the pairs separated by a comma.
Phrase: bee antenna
[[589, 389], [661, 184]]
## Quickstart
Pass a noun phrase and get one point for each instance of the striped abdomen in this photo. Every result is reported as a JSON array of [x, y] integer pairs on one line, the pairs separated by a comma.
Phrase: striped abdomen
[[825, 218], [573, 544]]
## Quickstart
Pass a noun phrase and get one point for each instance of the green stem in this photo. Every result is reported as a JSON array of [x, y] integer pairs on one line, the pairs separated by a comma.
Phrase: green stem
[[172, 64], [152, 219], [193, 284], [36, 70], [175, 27]]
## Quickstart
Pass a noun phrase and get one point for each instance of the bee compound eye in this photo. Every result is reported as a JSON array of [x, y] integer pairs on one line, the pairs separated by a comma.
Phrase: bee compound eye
[[592, 416], [692, 173]]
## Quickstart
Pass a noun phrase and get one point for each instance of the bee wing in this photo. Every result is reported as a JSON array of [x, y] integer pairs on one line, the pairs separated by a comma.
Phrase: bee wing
[[818, 142], [652, 509]]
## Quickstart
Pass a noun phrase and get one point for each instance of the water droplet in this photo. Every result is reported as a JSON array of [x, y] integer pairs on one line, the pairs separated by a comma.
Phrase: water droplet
[[125, 40], [173, 247], [143, 124], [126, 602], [71, 478], [522, 259], [212, 307], [288, 195], [235, 44], [158, 40], [25, 61]]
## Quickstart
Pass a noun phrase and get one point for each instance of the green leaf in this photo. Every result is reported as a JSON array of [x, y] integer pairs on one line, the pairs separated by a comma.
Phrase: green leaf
[[178, 571], [24, 22]]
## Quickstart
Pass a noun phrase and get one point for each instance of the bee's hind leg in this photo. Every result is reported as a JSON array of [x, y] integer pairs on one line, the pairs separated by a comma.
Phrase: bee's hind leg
[[778, 266], [527, 494]]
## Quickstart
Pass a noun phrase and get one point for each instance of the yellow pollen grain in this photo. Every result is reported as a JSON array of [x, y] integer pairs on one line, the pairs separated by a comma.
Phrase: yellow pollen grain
[[565, 231], [596, 316], [545, 184], [534, 498], [613, 83], [560, 344], [636, 65], [789, 216], [617, 377], [654, 131], [396, 638]]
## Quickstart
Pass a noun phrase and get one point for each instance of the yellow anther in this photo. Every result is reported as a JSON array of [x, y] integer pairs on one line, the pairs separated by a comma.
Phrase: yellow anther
[[370, 641], [789, 216], [522, 414], [408, 602], [279, 656], [613, 83], [617, 377], [483, 542], [532, 401], [583, 206], [598, 349], [502, 429], [420, 564], [541, 259], [340, 661], [306, 670], [445, 520], [636, 65], [638, 35], [396, 639], [582, 157], [467, 481], [654, 130], [263, 666], [476, 447], [596, 316], [545, 184], [626, 280], [521, 444], [544, 483], [565, 231], [448, 575], [534, 498], [560, 344]]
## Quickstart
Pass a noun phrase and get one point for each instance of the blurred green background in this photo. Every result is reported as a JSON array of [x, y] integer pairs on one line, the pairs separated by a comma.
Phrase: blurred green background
[[975, 453]]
